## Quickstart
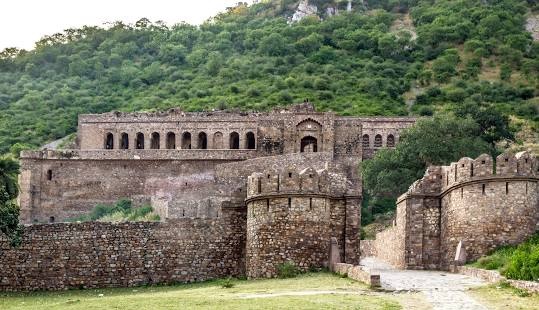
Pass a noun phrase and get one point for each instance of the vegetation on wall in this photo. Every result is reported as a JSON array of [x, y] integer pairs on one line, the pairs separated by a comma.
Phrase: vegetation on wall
[[515, 262], [9, 211], [250, 57], [121, 211]]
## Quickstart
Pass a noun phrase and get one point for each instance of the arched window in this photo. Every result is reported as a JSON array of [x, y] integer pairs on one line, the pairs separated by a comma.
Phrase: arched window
[[218, 140], [234, 140], [366, 141], [139, 141], [171, 141], [309, 145], [186, 141], [202, 141], [125, 141], [109, 141], [251, 142], [378, 141], [155, 144], [390, 141]]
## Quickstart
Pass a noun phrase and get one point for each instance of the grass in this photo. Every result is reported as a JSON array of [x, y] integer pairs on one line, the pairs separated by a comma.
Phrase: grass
[[515, 262], [218, 294], [504, 297]]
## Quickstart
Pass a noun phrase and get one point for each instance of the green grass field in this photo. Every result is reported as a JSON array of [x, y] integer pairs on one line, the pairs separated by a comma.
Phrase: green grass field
[[308, 291]]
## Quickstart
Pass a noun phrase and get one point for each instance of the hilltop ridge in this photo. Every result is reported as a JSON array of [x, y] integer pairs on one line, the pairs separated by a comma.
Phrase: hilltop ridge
[[379, 58]]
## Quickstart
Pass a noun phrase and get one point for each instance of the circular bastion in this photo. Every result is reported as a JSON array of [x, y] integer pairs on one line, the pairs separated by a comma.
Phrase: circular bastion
[[291, 217]]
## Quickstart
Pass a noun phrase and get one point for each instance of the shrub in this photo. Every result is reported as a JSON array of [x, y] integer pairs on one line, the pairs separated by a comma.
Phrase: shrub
[[287, 270], [515, 262], [227, 283]]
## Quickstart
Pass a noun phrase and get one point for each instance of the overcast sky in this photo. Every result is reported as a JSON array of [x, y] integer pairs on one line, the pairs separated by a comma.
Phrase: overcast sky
[[23, 22]]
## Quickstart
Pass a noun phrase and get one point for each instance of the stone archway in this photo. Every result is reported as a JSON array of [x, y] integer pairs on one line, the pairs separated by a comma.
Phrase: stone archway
[[309, 144], [309, 136]]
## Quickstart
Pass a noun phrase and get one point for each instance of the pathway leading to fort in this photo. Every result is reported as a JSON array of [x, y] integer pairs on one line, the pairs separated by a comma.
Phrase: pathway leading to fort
[[445, 291]]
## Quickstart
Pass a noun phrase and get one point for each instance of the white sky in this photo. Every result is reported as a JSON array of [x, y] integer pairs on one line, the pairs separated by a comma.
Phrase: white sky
[[23, 22]]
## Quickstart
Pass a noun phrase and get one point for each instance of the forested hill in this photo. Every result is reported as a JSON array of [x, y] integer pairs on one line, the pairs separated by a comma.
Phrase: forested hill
[[386, 57]]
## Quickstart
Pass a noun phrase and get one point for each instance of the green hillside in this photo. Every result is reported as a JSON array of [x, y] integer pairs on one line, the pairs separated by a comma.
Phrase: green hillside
[[467, 54]]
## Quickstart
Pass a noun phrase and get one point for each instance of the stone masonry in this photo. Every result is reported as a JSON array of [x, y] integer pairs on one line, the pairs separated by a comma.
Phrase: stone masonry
[[237, 193], [482, 204]]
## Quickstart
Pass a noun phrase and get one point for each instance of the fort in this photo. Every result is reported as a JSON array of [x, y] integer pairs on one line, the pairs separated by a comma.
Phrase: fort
[[239, 194], [480, 203]]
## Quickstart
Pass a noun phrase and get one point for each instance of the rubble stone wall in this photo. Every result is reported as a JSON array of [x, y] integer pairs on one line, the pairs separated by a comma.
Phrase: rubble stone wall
[[89, 255], [474, 201], [292, 216]]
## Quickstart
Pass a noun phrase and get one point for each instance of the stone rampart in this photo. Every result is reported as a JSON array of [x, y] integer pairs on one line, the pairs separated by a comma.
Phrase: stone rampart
[[474, 201], [292, 216], [89, 255]]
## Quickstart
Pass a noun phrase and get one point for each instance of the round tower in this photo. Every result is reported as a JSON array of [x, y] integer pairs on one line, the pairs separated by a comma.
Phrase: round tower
[[485, 209], [291, 217]]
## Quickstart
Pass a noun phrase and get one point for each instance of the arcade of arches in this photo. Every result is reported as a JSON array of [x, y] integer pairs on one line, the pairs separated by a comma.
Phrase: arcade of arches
[[185, 142]]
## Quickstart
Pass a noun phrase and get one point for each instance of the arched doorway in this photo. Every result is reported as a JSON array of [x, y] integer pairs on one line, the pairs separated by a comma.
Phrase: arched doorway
[[155, 143], [251, 142], [234, 140], [125, 141], [139, 141], [309, 144], [109, 141], [218, 140], [186, 141], [202, 141], [171, 140]]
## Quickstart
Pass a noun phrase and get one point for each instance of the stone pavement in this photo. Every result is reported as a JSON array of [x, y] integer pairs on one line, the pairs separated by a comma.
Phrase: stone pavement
[[444, 291]]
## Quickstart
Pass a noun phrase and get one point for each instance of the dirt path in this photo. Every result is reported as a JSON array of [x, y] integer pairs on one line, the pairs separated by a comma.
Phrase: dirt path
[[444, 291]]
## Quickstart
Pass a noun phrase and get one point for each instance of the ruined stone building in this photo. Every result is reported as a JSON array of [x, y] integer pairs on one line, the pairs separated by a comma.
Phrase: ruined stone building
[[480, 202], [237, 193], [241, 193]]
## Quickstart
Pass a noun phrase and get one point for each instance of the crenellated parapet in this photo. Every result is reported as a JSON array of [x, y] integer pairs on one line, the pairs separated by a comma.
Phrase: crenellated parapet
[[440, 179], [291, 181], [484, 203]]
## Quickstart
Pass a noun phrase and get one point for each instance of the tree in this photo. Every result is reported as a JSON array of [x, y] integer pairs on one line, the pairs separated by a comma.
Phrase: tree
[[433, 141], [9, 211], [273, 45], [493, 125], [9, 170]]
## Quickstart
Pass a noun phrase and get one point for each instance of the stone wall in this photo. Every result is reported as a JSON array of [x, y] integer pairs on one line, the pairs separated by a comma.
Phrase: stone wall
[[358, 273], [88, 255], [493, 276], [59, 189], [292, 216], [390, 243], [474, 201]]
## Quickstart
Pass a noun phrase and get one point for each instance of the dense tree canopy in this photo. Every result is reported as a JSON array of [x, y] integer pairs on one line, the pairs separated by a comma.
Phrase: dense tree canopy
[[251, 58], [9, 211], [433, 141]]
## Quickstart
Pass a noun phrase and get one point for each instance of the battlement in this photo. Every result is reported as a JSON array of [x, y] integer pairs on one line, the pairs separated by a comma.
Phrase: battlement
[[438, 179], [289, 181]]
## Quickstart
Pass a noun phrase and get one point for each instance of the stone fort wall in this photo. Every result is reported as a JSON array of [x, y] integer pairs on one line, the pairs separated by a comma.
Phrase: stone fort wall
[[474, 201], [89, 255], [292, 216]]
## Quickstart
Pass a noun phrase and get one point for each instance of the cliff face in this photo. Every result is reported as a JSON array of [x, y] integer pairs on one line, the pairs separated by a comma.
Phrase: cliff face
[[320, 8]]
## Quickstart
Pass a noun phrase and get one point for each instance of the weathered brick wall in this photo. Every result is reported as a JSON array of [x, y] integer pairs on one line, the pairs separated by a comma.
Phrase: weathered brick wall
[[367, 248], [62, 256]]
